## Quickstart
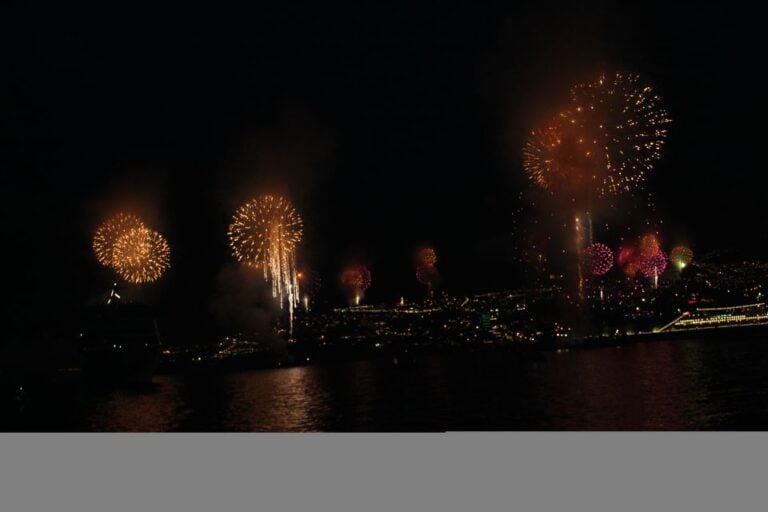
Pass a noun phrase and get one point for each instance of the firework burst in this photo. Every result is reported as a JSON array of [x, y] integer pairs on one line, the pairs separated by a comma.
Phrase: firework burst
[[653, 266], [553, 157], [681, 256], [605, 141], [426, 256], [356, 280], [109, 232], [626, 125], [141, 255], [649, 246], [427, 275], [426, 272], [264, 234], [628, 259], [599, 259]]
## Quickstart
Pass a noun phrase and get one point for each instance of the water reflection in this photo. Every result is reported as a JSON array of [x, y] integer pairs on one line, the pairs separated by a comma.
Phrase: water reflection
[[636, 387], [293, 399], [153, 408], [647, 386]]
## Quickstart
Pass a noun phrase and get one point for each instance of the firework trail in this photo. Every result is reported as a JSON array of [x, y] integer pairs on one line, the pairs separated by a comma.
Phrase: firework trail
[[310, 283], [653, 266], [356, 280]]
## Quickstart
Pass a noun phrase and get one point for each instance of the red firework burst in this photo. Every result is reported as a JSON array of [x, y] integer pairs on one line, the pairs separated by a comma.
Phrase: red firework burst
[[653, 266], [599, 259], [356, 278], [628, 259], [427, 275]]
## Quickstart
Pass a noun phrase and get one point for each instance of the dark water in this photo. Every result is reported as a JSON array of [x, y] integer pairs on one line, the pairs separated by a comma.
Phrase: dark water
[[681, 385]]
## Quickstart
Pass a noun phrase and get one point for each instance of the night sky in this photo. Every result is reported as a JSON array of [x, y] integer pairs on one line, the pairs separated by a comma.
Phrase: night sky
[[389, 127]]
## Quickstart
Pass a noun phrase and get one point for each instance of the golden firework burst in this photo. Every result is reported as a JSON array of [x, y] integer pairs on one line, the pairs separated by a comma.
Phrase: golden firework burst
[[109, 232], [141, 255], [264, 233]]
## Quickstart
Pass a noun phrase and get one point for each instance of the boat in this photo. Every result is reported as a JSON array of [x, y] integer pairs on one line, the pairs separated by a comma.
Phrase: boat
[[739, 321]]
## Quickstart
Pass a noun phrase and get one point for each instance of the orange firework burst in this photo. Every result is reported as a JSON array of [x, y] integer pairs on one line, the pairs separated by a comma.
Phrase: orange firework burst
[[558, 158], [426, 256], [649, 246], [141, 255], [356, 278], [109, 232], [605, 141]]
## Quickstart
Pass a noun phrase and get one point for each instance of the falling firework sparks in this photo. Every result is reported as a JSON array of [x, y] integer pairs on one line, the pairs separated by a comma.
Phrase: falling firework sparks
[[599, 259], [264, 233], [141, 255], [681, 256], [109, 232]]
